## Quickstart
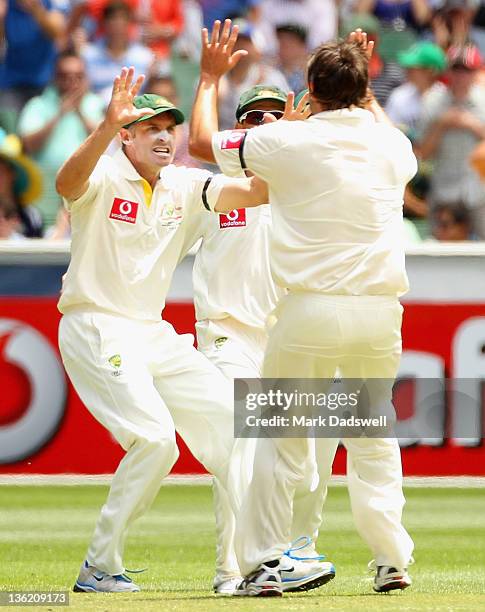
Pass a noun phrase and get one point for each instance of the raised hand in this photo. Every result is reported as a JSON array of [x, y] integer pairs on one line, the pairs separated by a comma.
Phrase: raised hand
[[121, 111], [302, 110], [217, 55], [360, 38]]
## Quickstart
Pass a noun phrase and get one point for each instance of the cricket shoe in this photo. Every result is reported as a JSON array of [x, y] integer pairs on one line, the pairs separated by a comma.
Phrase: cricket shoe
[[390, 579], [302, 568], [227, 587], [304, 575], [91, 579], [264, 582]]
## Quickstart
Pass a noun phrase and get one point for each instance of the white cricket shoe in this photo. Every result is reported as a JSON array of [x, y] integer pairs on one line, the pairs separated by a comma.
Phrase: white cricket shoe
[[227, 587], [390, 579], [304, 575], [91, 579], [264, 582], [306, 570]]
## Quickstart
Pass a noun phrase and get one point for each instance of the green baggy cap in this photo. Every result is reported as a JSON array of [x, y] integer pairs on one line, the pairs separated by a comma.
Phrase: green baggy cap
[[257, 93], [159, 105], [423, 55]]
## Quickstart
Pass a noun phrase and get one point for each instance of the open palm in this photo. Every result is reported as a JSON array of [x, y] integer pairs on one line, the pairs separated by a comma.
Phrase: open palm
[[121, 111], [217, 55]]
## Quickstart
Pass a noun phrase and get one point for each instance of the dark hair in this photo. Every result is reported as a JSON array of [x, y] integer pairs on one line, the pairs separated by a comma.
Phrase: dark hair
[[338, 75], [113, 8], [159, 78], [295, 29], [68, 53], [457, 210]]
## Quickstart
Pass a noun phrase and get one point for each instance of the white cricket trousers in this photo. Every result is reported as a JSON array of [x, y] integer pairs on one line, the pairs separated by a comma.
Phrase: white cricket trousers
[[314, 335], [142, 381], [237, 350]]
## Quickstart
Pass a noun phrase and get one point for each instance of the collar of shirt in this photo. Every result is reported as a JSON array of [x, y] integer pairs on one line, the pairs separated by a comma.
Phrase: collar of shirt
[[128, 171], [351, 114]]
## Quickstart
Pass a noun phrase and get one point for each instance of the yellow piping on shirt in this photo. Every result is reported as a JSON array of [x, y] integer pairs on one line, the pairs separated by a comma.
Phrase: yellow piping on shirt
[[147, 190]]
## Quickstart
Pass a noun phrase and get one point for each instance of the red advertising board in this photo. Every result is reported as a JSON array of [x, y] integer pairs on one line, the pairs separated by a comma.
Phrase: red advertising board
[[44, 428]]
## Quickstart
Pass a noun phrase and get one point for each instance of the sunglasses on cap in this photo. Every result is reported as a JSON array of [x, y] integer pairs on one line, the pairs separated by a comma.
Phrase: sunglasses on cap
[[256, 117]]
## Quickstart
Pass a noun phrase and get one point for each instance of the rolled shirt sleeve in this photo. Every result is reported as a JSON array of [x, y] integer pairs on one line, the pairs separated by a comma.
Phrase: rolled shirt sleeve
[[253, 150]]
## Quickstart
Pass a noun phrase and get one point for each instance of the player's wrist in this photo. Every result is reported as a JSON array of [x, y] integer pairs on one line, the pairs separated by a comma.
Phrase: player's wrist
[[209, 78], [109, 127]]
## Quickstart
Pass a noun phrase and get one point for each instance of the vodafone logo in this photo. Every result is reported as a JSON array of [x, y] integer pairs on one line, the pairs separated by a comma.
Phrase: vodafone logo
[[33, 387], [235, 218], [124, 210], [233, 140]]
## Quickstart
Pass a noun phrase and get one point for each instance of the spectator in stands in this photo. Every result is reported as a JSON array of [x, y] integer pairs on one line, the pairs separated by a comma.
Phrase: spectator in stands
[[451, 222], [249, 71], [187, 45], [20, 184], [384, 76], [318, 17], [424, 63], [451, 125], [164, 86], [161, 21], [31, 29], [9, 221], [293, 55], [87, 15], [413, 14], [54, 124], [229, 9], [106, 56], [451, 23]]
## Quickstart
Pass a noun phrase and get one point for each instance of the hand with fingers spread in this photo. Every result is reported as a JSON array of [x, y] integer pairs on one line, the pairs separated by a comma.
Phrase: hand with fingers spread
[[291, 113], [360, 38], [299, 113], [121, 111], [217, 55]]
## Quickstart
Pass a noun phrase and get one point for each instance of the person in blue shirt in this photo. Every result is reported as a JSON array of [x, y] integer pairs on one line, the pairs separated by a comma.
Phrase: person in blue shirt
[[220, 9], [31, 29]]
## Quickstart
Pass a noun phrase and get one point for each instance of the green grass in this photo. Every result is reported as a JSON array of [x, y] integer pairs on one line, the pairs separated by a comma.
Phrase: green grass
[[44, 532]]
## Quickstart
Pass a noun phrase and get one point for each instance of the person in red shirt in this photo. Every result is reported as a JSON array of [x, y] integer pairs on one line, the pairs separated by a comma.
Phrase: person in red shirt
[[159, 21]]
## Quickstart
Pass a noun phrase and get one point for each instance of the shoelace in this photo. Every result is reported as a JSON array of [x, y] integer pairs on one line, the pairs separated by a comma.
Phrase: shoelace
[[128, 571], [372, 567], [294, 547]]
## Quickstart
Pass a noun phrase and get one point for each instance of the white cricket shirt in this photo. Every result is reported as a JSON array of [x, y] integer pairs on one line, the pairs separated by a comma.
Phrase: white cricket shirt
[[231, 274], [126, 240], [336, 185]]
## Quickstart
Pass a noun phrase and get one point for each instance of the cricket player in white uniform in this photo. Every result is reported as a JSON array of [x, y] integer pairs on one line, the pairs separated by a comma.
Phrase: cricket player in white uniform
[[234, 294], [136, 376], [336, 184]]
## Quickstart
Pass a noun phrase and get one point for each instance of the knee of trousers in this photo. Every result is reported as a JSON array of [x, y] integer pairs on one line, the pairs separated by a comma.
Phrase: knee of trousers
[[161, 448]]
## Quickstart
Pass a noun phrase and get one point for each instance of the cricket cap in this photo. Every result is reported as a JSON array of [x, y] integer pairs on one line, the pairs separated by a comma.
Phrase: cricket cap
[[159, 105], [424, 55], [257, 94]]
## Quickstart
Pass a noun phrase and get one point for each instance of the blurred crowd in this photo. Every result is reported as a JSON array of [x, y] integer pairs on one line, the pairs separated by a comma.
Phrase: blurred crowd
[[58, 59]]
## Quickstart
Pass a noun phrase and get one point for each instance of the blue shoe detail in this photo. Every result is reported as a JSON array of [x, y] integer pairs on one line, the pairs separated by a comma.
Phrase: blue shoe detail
[[122, 578], [295, 546]]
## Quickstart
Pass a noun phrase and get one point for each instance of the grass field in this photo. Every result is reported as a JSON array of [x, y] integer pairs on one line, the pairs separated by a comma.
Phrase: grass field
[[44, 532]]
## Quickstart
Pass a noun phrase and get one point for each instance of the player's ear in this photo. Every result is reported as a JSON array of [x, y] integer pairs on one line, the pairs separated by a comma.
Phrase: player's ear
[[126, 136]]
